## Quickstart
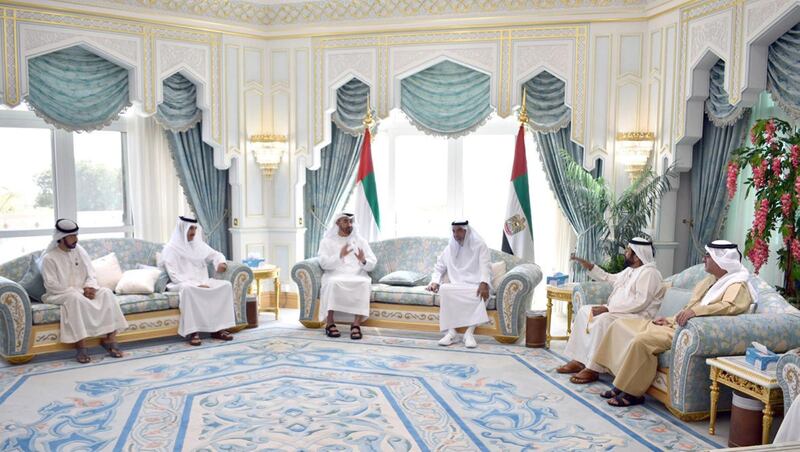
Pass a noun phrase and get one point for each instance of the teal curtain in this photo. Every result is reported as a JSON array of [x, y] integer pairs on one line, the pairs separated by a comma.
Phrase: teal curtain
[[709, 169], [718, 107], [76, 90], [783, 72], [178, 112], [724, 130], [327, 186], [206, 187], [544, 97], [446, 99]]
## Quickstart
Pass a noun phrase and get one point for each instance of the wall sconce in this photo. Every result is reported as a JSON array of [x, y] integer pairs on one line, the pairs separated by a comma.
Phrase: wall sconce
[[268, 150], [636, 148]]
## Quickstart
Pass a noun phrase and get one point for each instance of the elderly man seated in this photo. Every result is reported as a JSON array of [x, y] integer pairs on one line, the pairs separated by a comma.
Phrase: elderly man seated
[[631, 347]]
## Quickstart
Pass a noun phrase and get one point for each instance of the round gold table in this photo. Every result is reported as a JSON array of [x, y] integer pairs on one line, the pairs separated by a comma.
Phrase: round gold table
[[268, 272]]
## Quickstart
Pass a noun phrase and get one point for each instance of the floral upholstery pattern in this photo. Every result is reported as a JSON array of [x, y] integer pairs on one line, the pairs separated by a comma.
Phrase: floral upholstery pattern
[[17, 313], [418, 254], [775, 323], [788, 371]]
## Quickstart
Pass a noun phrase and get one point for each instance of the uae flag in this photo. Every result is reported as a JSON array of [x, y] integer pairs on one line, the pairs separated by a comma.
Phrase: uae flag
[[517, 232], [368, 215]]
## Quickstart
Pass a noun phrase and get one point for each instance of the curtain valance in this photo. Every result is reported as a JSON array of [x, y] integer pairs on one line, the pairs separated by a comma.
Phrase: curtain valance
[[76, 90], [178, 111], [718, 107], [446, 99], [783, 71], [545, 94], [351, 107]]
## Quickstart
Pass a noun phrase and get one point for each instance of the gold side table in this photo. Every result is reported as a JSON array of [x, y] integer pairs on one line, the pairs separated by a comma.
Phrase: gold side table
[[734, 372], [272, 272], [563, 294]]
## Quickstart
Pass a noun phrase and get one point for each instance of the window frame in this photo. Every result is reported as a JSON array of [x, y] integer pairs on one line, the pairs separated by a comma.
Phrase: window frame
[[65, 201]]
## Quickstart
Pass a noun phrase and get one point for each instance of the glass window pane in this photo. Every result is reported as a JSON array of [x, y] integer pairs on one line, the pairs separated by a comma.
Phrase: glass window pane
[[99, 178], [487, 158], [26, 180], [421, 186], [14, 247]]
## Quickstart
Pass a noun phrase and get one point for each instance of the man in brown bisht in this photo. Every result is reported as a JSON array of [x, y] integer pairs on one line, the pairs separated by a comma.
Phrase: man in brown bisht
[[631, 347]]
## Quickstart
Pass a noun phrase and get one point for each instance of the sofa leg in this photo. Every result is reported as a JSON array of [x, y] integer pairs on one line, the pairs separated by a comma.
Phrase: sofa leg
[[21, 359], [313, 324], [506, 339]]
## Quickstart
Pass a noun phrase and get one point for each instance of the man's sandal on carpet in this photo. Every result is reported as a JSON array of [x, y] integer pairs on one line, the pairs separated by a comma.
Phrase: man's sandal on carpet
[[223, 335], [82, 355], [570, 367], [194, 339], [583, 377], [112, 348], [625, 400], [355, 332], [332, 331]]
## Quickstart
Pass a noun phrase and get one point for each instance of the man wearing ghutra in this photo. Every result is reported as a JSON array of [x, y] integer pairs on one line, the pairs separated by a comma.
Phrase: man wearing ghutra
[[466, 263], [206, 304], [637, 292], [87, 310], [345, 258], [725, 291]]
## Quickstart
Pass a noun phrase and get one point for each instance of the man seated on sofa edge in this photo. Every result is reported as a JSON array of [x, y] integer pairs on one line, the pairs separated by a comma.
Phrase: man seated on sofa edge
[[631, 347], [87, 310], [206, 304], [466, 262], [345, 258]]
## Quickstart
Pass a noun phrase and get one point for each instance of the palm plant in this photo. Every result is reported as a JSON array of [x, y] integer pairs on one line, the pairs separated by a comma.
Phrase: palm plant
[[614, 222]]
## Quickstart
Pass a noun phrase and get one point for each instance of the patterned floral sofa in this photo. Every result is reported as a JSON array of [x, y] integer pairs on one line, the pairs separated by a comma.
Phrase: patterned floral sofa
[[789, 377], [683, 377], [31, 328], [414, 307]]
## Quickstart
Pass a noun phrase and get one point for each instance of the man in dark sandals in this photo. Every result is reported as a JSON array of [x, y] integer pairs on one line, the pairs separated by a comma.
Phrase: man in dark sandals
[[725, 291], [87, 310], [345, 258]]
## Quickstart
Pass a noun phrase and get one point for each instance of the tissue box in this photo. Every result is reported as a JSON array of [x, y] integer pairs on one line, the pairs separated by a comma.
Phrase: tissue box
[[559, 279], [758, 359], [252, 262]]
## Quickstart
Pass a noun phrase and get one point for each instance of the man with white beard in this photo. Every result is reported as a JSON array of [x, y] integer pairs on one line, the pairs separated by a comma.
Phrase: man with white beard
[[206, 304], [345, 258], [637, 293], [87, 310], [466, 262]]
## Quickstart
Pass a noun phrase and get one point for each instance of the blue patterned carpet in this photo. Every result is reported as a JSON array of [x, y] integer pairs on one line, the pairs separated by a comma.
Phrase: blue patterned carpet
[[288, 389]]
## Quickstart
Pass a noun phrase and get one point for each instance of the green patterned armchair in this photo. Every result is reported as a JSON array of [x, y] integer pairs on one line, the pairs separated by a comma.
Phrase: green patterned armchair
[[29, 328], [414, 307]]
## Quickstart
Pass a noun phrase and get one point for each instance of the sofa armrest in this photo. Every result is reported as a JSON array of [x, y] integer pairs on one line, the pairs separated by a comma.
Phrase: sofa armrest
[[590, 293], [788, 371], [16, 319], [240, 276], [514, 295], [713, 336], [308, 276]]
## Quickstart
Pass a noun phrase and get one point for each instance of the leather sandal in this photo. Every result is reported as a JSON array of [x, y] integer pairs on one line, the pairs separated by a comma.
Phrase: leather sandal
[[611, 393], [223, 335], [194, 339], [625, 400], [355, 332], [583, 377], [82, 355], [112, 348], [570, 368], [332, 331]]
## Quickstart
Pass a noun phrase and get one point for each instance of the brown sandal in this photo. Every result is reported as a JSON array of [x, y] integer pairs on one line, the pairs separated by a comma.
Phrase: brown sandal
[[194, 339], [584, 377], [355, 332], [570, 367], [223, 335], [332, 331]]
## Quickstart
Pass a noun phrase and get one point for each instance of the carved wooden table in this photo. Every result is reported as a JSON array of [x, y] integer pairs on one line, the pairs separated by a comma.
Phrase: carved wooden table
[[563, 294], [272, 272]]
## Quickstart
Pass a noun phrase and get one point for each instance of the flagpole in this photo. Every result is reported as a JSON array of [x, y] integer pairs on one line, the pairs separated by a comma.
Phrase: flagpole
[[369, 120], [523, 111]]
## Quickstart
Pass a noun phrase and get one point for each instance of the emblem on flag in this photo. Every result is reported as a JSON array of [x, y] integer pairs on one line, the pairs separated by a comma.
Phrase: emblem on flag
[[515, 224]]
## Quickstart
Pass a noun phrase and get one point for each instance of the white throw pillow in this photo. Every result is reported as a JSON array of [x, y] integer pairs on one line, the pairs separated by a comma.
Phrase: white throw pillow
[[498, 271], [107, 271], [139, 281]]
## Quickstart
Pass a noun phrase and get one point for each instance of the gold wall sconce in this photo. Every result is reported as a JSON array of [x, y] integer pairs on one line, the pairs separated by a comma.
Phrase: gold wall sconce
[[635, 148], [268, 151]]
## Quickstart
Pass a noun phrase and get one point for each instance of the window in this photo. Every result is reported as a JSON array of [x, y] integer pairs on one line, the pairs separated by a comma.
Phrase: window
[[52, 173]]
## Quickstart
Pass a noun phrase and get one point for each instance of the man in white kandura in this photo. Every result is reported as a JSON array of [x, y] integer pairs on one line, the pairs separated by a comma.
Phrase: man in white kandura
[[466, 262], [87, 310], [637, 292], [790, 427], [206, 304], [345, 258]]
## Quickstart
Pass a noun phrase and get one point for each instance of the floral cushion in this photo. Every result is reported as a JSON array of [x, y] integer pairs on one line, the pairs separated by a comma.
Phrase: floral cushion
[[44, 313]]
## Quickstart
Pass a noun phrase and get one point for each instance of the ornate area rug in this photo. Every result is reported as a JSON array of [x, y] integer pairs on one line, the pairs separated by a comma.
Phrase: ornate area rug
[[289, 389]]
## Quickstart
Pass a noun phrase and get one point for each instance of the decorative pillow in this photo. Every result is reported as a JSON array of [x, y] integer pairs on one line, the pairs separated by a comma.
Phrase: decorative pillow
[[405, 278], [32, 282], [498, 271], [163, 277], [139, 281], [107, 271]]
